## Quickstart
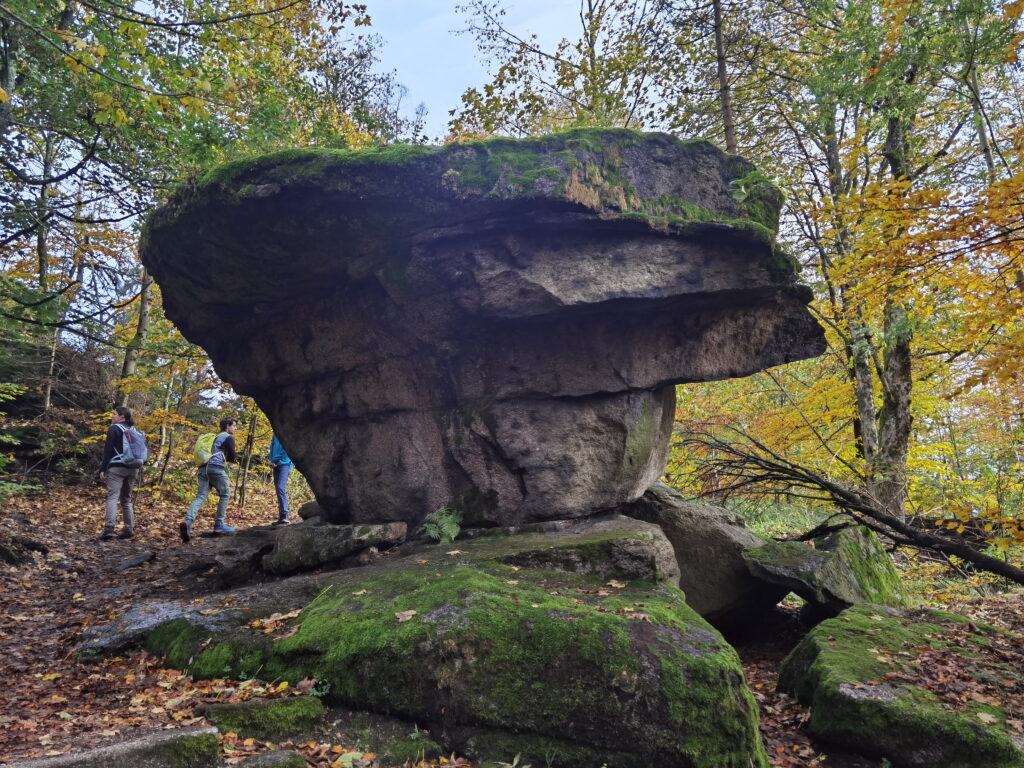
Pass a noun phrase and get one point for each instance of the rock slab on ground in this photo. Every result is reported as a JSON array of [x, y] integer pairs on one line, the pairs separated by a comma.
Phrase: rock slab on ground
[[177, 748], [494, 326], [847, 568], [255, 553], [857, 673], [709, 543]]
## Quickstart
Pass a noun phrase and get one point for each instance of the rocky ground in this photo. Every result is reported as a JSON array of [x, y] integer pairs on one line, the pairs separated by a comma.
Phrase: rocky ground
[[52, 704]]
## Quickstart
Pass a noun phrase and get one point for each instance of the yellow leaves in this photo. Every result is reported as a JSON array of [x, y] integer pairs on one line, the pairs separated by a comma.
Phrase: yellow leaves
[[404, 616], [1013, 48], [4, 97], [346, 760], [1013, 10], [272, 623]]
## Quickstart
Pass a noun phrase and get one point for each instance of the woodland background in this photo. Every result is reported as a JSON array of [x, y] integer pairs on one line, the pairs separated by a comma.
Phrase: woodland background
[[894, 127]]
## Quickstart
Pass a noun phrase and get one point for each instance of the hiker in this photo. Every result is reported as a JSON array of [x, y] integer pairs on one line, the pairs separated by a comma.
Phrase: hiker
[[282, 468], [213, 473], [117, 476]]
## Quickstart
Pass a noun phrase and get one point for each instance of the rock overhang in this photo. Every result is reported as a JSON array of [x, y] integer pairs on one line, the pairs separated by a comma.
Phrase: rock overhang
[[477, 293]]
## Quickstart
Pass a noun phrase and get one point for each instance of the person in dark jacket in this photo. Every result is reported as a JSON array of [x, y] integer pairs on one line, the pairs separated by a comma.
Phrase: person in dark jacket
[[118, 477], [214, 474], [282, 468]]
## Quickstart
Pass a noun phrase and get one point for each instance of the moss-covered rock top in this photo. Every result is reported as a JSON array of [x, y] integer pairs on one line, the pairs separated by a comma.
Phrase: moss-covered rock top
[[601, 169], [272, 720], [860, 674]]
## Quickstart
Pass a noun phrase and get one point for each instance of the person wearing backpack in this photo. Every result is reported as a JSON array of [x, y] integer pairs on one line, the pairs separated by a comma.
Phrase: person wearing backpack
[[212, 473], [282, 465], [118, 476]]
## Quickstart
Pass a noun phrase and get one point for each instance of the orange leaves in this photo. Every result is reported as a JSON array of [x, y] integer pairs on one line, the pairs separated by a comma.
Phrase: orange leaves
[[275, 622]]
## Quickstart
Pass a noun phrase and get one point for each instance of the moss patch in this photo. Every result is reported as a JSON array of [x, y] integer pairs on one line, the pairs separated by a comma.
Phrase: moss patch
[[876, 575], [198, 751], [273, 720]]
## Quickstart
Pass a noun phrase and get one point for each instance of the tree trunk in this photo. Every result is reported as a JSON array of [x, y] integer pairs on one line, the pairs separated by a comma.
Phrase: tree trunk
[[725, 99], [858, 347], [888, 477], [134, 348], [250, 442]]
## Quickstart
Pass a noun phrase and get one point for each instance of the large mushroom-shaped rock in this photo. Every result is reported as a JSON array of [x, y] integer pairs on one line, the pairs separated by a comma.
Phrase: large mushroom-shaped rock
[[494, 326]]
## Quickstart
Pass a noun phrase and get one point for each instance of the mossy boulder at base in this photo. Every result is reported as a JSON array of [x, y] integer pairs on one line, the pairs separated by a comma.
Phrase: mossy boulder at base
[[273, 720], [859, 673], [507, 645], [709, 543], [496, 326], [832, 573], [394, 741]]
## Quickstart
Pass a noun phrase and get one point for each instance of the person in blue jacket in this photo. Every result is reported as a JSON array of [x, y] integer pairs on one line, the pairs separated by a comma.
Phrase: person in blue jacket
[[282, 468]]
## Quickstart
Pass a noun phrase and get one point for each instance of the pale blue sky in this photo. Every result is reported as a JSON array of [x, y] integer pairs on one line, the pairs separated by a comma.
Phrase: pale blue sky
[[435, 64]]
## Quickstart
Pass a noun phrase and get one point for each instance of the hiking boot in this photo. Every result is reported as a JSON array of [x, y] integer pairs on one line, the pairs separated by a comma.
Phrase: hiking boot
[[185, 530], [106, 535], [283, 521], [126, 534], [224, 528]]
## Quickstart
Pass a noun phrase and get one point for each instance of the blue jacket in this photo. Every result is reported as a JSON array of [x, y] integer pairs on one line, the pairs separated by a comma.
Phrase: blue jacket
[[277, 452]]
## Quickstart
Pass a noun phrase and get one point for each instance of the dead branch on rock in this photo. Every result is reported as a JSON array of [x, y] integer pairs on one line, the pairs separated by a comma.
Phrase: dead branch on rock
[[747, 464]]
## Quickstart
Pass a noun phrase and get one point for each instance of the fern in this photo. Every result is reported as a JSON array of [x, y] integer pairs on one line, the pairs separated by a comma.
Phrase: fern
[[442, 525]]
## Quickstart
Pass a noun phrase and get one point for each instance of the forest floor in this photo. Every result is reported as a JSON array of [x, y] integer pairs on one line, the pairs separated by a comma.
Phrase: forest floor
[[52, 704]]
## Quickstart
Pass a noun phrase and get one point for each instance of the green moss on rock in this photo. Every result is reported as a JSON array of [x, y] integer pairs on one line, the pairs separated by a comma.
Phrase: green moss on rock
[[198, 751], [545, 655], [845, 569], [877, 577], [177, 641], [273, 720], [847, 670]]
